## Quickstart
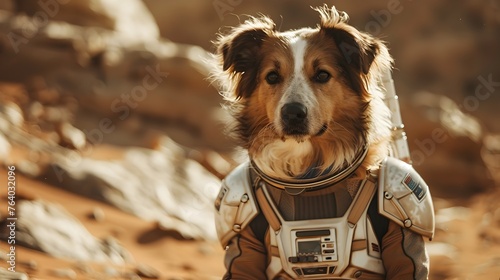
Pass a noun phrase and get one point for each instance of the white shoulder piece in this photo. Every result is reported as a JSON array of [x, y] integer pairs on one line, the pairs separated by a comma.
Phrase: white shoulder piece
[[235, 205], [404, 197]]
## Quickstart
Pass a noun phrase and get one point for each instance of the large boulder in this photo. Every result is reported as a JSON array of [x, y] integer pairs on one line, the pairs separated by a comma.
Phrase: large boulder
[[132, 19], [165, 182], [49, 228], [114, 73], [157, 185]]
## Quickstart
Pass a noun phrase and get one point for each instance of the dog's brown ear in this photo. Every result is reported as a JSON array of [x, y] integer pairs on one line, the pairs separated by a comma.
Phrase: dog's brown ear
[[240, 52], [359, 50]]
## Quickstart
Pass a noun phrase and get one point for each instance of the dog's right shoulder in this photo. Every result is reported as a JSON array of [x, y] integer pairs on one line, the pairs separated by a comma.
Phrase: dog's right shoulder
[[235, 205], [405, 198]]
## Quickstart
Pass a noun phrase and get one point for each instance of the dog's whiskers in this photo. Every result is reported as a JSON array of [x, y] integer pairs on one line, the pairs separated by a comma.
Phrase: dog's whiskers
[[266, 133], [331, 129]]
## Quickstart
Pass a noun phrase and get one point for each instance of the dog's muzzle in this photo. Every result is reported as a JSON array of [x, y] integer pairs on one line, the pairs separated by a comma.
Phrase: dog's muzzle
[[294, 119]]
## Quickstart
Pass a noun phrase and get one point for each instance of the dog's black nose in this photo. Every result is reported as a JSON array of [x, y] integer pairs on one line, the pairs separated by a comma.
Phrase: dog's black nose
[[294, 112], [294, 118]]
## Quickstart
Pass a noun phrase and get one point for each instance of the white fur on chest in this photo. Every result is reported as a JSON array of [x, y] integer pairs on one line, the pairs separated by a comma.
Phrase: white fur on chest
[[279, 157]]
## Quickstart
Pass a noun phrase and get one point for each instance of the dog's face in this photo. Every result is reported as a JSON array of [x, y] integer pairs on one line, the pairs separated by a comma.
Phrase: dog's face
[[301, 85], [302, 96]]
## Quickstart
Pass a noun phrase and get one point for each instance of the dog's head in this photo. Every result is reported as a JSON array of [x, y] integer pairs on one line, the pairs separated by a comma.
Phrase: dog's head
[[305, 98]]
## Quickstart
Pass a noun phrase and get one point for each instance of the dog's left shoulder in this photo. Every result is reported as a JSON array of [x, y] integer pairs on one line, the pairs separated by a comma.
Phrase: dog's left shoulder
[[404, 197], [235, 205]]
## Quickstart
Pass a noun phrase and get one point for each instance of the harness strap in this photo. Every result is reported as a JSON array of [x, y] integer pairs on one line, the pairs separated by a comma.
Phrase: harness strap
[[266, 208], [358, 245], [367, 189], [275, 251]]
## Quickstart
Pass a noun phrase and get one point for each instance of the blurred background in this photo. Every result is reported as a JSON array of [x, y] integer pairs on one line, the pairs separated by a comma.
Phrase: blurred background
[[117, 137]]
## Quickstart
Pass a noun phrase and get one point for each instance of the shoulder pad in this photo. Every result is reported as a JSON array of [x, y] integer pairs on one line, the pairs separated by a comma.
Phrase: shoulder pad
[[404, 197], [235, 205]]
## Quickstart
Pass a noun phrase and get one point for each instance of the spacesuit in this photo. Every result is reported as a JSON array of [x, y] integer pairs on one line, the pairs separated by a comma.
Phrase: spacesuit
[[332, 227]]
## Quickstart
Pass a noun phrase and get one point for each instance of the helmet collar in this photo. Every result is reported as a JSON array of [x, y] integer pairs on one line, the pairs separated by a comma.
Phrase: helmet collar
[[298, 185]]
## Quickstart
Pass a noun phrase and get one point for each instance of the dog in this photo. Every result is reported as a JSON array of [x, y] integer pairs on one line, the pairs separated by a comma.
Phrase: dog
[[306, 97], [307, 104]]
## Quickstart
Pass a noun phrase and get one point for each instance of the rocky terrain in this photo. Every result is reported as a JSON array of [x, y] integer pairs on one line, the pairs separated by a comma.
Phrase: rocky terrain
[[116, 135]]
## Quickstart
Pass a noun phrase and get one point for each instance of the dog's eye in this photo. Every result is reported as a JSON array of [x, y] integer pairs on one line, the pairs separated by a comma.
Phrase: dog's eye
[[322, 77], [272, 78]]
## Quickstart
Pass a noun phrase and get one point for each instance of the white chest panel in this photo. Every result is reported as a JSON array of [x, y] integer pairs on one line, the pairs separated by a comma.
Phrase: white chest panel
[[322, 248]]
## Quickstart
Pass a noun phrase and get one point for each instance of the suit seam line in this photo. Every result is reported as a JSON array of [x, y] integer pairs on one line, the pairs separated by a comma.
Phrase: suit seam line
[[406, 254], [232, 260]]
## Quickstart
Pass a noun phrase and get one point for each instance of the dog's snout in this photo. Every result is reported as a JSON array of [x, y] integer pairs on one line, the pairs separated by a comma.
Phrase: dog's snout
[[295, 112]]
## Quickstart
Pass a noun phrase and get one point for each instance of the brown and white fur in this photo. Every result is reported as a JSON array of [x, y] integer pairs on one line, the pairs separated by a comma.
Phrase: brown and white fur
[[305, 98]]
